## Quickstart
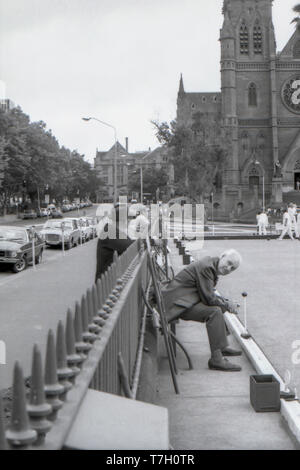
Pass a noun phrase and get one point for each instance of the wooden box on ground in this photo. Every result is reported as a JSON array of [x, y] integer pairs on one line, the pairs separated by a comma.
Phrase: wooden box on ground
[[264, 393]]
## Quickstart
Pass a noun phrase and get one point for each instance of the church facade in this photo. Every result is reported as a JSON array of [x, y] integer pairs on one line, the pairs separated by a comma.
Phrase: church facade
[[259, 106]]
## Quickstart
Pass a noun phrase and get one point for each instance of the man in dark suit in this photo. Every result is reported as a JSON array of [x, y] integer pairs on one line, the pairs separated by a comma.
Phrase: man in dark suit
[[192, 296], [113, 237]]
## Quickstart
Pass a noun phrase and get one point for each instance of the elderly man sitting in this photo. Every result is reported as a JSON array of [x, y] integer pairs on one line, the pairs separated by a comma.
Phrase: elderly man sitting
[[191, 296]]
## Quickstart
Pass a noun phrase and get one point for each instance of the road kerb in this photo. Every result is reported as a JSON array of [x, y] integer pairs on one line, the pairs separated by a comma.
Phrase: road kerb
[[289, 410]]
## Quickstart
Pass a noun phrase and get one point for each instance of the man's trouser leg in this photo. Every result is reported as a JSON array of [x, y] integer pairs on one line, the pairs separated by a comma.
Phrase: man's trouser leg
[[283, 233], [264, 230], [215, 324], [290, 233]]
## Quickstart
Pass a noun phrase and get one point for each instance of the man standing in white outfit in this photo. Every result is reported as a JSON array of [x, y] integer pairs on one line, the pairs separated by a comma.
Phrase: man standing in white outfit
[[287, 226], [294, 220], [263, 222]]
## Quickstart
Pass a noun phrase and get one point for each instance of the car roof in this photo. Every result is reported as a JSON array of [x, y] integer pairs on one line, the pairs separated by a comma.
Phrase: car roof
[[55, 220], [15, 227]]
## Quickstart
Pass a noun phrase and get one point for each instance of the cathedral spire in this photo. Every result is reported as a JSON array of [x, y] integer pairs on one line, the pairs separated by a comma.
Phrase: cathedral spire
[[181, 87], [227, 31]]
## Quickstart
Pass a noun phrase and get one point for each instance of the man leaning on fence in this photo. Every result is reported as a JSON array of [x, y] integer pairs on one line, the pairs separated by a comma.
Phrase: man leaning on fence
[[112, 236], [192, 296]]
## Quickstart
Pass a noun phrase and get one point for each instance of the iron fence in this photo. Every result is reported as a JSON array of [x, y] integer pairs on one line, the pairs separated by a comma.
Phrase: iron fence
[[99, 347]]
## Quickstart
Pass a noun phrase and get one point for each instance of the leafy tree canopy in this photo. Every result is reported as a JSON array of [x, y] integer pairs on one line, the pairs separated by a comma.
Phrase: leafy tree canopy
[[32, 162], [198, 153], [296, 20], [152, 180]]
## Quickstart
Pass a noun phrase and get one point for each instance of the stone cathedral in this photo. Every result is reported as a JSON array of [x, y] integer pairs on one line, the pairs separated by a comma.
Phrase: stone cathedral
[[259, 104]]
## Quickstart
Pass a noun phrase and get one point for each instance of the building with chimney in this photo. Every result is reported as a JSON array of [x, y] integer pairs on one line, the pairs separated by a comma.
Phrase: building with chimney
[[128, 163], [259, 107]]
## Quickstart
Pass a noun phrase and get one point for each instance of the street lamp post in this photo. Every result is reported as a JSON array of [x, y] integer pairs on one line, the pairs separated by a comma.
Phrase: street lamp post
[[263, 180], [141, 174], [212, 212], [115, 153]]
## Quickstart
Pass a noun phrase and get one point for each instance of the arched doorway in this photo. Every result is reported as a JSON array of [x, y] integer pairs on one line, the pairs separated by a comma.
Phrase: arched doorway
[[297, 175], [253, 177]]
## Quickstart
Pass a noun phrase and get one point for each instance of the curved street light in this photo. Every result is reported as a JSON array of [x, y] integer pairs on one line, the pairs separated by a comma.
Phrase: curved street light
[[115, 153]]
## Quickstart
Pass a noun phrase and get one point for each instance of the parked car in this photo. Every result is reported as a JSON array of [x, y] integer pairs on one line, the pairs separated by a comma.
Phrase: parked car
[[86, 230], [16, 247], [42, 212], [29, 214], [56, 214], [93, 224], [55, 231]]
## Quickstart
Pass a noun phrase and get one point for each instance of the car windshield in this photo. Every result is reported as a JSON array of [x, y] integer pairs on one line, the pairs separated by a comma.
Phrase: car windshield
[[12, 235]]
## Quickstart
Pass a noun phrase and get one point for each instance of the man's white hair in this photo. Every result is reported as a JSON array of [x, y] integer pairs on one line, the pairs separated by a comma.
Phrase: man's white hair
[[233, 255]]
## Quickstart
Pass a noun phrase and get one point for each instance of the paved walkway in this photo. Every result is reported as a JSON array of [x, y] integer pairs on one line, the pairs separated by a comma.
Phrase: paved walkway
[[213, 408]]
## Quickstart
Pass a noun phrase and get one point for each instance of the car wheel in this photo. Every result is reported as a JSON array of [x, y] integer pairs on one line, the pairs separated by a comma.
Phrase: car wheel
[[20, 265], [69, 245], [39, 257]]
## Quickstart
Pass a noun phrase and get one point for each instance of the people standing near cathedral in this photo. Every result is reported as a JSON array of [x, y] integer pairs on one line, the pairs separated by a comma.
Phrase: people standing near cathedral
[[257, 221], [287, 226], [263, 222], [293, 215]]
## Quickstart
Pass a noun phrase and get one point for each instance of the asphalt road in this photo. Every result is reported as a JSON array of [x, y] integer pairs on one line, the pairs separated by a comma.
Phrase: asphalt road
[[33, 301], [50, 253], [12, 219], [270, 273]]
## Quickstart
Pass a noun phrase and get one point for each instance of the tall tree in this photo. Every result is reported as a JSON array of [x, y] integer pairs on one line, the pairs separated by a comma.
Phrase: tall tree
[[31, 160], [296, 20], [152, 180], [198, 153]]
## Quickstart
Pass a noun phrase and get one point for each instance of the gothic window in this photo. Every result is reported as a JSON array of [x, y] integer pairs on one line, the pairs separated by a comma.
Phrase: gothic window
[[193, 106], [253, 171], [244, 39], [252, 95], [257, 38], [203, 99], [296, 50]]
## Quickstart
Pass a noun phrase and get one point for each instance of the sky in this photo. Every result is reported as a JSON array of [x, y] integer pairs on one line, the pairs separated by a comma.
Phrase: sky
[[116, 60]]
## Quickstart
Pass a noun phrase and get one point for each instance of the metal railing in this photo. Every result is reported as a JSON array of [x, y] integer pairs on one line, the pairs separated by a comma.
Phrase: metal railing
[[98, 347]]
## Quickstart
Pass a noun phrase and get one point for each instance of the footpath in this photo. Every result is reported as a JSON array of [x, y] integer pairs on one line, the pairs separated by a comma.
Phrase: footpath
[[213, 410]]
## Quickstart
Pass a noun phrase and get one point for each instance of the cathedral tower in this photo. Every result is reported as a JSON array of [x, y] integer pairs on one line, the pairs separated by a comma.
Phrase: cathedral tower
[[248, 107]]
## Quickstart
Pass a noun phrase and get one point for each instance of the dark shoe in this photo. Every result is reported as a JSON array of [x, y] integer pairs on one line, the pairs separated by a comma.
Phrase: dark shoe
[[231, 352], [224, 365]]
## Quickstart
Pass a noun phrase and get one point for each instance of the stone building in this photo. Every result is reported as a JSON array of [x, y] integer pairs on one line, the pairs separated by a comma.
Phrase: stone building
[[6, 105], [127, 164], [259, 106]]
